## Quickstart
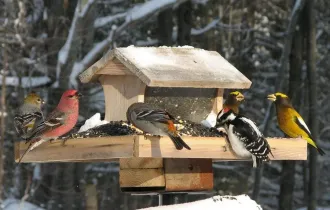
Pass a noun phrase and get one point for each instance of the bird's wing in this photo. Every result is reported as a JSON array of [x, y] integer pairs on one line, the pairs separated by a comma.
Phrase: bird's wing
[[251, 136], [154, 115], [301, 123], [53, 120], [21, 121]]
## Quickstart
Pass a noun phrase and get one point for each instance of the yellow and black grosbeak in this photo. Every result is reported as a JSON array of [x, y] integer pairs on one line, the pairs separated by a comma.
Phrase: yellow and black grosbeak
[[290, 121], [233, 101]]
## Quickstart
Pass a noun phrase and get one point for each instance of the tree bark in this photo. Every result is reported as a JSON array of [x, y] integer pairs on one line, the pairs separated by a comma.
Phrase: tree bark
[[184, 23], [288, 167], [312, 84], [165, 27]]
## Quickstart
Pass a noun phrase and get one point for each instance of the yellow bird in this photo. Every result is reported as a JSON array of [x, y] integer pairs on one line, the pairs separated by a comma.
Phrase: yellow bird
[[290, 121], [233, 101]]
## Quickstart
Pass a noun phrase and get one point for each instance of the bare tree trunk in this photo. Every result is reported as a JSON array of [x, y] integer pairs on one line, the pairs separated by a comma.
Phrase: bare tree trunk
[[313, 115], [184, 23], [165, 27], [3, 117], [288, 167]]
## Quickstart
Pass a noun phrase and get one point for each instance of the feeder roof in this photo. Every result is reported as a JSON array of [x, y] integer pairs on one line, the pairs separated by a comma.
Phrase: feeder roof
[[169, 67]]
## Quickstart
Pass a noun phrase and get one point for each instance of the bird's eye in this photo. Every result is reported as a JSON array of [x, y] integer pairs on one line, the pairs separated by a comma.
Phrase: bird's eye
[[38, 99], [70, 96]]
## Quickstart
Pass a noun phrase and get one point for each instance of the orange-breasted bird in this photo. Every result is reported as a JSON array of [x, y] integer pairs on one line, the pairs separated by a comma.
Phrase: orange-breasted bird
[[290, 121], [234, 99], [155, 122]]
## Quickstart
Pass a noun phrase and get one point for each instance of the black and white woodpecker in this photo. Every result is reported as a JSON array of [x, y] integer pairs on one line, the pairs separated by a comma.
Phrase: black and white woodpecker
[[244, 136]]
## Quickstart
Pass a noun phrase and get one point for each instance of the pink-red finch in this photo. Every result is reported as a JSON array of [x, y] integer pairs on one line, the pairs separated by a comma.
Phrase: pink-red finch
[[154, 121], [29, 115], [59, 122]]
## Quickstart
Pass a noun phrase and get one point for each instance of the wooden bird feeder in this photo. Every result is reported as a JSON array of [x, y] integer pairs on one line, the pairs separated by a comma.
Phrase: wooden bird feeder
[[189, 83]]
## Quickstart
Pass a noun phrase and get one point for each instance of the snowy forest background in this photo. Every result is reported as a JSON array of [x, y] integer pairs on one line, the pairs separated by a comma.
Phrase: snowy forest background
[[45, 44]]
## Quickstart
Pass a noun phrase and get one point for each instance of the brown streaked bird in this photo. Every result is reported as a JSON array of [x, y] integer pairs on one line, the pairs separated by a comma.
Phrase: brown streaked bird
[[290, 121], [234, 99], [154, 121]]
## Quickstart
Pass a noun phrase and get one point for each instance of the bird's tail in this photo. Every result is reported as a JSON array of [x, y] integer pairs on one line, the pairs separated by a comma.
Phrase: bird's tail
[[25, 152], [311, 142], [33, 144], [321, 152], [178, 142], [258, 160]]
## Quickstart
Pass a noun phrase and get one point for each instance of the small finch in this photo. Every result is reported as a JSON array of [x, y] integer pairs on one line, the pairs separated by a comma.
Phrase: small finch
[[154, 121], [29, 115], [59, 122]]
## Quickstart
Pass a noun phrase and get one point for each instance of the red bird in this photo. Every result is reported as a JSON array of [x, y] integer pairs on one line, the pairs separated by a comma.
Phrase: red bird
[[59, 122]]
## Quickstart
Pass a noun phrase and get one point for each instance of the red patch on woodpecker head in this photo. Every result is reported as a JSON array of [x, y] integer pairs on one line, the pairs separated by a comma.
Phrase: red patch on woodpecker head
[[226, 110]]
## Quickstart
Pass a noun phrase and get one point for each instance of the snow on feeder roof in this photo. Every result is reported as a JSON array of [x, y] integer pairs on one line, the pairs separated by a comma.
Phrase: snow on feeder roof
[[169, 67]]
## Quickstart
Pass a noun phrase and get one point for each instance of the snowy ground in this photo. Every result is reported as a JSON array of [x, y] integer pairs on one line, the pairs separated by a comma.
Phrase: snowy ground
[[216, 202]]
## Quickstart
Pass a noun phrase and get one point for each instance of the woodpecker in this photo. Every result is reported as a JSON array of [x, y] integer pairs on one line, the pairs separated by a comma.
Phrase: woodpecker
[[245, 138]]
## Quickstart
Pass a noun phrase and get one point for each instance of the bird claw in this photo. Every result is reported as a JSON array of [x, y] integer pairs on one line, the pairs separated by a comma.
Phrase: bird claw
[[224, 148]]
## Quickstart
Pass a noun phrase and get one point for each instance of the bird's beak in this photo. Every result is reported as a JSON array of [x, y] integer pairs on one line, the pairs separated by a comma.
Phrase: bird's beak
[[240, 97], [78, 95], [43, 101], [271, 97]]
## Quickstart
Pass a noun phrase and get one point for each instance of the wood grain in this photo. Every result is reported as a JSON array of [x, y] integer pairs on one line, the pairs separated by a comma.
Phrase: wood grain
[[114, 67], [87, 149], [188, 174], [141, 163], [119, 93], [142, 177], [213, 147], [91, 197], [171, 67], [114, 147], [218, 101]]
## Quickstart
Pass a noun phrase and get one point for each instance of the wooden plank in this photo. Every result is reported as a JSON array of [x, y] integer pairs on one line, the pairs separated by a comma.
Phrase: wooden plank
[[213, 147], [84, 150], [120, 92], [91, 197], [114, 67], [181, 67], [125, 163], [152, 177], [115, 147], [188, 174], [218, 101]]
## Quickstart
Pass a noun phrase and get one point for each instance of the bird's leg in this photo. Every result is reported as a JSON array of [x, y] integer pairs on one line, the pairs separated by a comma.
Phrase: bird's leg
[[224, 148]]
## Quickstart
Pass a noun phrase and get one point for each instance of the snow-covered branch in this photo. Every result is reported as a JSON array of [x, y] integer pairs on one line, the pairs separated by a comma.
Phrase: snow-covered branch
[[99, 22], [208, 27], [216, 202], [137, 13], [63, 54], [27, 82]]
